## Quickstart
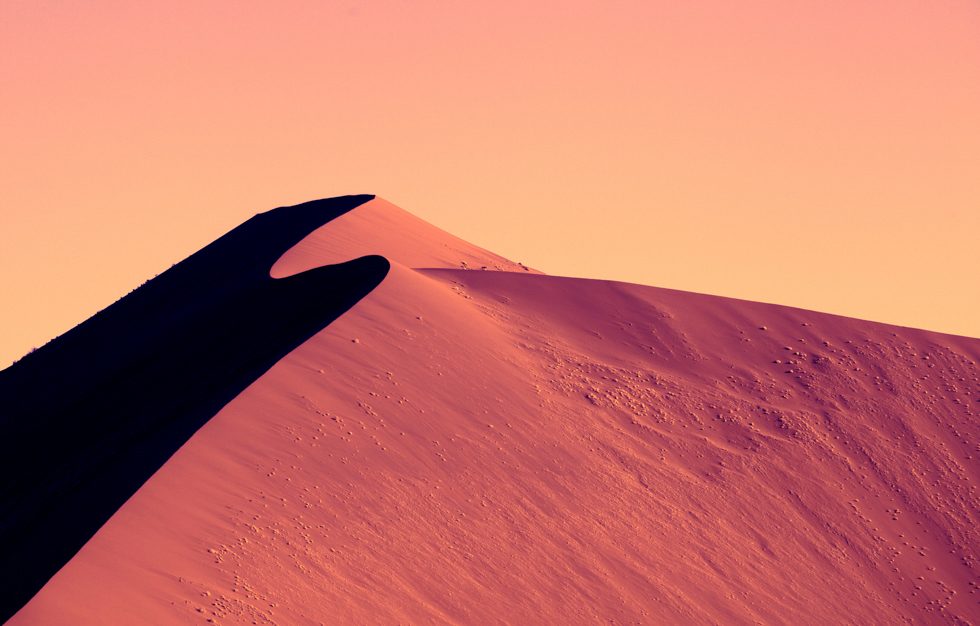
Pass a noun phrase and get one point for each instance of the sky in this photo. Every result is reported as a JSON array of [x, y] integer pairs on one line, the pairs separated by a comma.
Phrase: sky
[[824, 155]]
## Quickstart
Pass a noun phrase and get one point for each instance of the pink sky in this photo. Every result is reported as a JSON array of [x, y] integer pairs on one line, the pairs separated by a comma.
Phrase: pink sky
[[823, 155]]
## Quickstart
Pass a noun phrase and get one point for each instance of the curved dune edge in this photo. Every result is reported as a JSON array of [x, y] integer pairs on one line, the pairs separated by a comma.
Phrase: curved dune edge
[[91, 415], [479, 446]]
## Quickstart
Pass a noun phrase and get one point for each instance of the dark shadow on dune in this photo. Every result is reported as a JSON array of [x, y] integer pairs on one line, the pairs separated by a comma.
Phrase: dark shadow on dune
[[88, 418]]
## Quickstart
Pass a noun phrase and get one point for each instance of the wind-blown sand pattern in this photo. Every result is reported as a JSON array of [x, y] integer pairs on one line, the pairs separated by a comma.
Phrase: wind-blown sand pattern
[[476, 442]]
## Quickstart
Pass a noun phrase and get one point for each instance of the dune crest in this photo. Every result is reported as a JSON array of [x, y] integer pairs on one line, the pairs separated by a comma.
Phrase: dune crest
[[511, 447], [393, 233]]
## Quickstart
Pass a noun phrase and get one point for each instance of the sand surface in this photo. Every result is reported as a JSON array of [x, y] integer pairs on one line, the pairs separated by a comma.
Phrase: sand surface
[[501, 446]]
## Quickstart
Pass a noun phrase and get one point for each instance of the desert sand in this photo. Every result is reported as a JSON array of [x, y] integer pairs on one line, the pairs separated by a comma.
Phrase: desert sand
[[476, 442]]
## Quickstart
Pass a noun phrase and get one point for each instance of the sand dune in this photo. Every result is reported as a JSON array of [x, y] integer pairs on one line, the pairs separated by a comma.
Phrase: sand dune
[[503, 446]]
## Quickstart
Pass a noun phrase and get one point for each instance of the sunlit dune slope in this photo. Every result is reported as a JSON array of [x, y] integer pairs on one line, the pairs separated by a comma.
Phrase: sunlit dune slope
[[509, 447]]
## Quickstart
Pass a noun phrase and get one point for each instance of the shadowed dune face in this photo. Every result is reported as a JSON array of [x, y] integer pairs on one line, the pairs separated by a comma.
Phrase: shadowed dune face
[[90, 416], [508, 447]]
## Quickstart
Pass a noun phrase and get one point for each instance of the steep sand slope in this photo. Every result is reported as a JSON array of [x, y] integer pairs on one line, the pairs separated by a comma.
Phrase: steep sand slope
[[508, 447]]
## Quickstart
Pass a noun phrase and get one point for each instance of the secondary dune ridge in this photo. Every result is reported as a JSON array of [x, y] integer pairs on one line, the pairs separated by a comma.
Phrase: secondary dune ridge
[[500, 446]]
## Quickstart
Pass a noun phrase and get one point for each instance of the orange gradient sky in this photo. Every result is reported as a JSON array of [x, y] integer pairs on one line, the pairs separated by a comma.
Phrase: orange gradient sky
[[819, 154]]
